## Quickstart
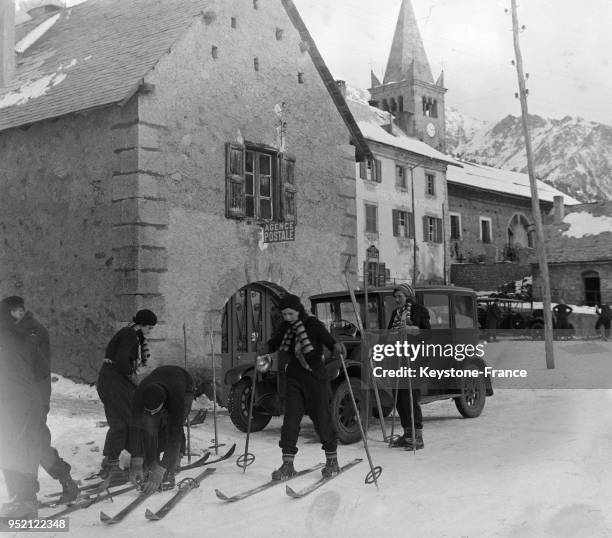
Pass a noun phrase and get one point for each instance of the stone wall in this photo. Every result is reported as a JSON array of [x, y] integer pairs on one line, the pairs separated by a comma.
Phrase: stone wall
[[566, 281], [57, 231], [487, 277]]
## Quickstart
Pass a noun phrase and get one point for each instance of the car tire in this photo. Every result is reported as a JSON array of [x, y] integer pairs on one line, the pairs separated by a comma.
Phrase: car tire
[[473, 396], [238, 407], [343, 414], [537, 331]]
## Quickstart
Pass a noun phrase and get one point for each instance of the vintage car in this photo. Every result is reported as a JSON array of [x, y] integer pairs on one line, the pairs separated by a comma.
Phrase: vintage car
[[453, 316]]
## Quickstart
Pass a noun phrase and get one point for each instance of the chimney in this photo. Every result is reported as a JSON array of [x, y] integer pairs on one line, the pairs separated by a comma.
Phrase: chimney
[[342, 86], [7, 41], [558, 209]]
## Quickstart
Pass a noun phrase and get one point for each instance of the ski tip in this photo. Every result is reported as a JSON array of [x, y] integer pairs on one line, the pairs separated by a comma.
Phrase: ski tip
[[231, 450], [221, 495], [289, 490], [106, 519], [151, 516]]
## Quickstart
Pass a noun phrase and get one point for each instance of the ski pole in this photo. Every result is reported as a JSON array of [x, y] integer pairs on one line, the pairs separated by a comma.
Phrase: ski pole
[[393, 437], [365, 344], [212, 352], [375, 472], [188, 417], [247, 458]]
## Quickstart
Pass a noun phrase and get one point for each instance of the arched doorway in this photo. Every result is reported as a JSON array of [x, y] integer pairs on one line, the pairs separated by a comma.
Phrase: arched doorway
[[592, 288], [250, 317], [519, 231]]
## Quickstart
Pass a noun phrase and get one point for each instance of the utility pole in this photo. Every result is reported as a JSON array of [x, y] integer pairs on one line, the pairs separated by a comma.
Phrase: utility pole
[[535, 202]]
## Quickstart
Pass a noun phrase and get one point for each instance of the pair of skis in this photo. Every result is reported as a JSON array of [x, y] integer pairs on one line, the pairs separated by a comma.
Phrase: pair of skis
[[95, 496], [292, 493]]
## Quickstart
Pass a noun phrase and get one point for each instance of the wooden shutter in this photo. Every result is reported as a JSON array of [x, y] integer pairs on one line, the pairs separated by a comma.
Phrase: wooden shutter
[[411, 225], [382, 275], [378, 171], [425, 229], [438, 230], [234, 180], [395, 214], [287, 192], [363, 170]]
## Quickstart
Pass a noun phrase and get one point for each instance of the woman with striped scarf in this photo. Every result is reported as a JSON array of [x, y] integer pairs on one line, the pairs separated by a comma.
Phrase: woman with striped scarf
[[302, 338]]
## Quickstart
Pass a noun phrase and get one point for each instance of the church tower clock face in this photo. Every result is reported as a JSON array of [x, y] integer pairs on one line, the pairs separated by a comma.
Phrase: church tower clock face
[[431, 130]]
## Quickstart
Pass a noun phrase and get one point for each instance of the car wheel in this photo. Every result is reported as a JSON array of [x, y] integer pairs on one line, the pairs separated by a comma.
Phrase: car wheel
[[473, 396], [343, 413], [238, 406], [537, 331]]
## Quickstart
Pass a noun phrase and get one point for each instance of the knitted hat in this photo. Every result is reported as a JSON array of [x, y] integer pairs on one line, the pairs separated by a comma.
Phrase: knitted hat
[[290, 301], [153, 397], [14, 301], [406, 289], [145, 317]]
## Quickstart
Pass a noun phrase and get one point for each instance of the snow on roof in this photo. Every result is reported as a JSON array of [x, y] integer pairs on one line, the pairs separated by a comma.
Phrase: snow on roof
[[506, 181], [371, 119], [584, 223]]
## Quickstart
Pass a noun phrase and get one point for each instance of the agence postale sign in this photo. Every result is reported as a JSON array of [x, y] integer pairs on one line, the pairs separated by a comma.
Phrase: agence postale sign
[[277, 232]]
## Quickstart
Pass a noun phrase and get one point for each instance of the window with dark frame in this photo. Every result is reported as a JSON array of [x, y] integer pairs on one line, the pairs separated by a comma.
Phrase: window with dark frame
[[430, 184], [430, 107], [485, 230], [371, 218], [260, 184], [400, 177], [432, 229], [455, 227], [402, 223], [371, 170]]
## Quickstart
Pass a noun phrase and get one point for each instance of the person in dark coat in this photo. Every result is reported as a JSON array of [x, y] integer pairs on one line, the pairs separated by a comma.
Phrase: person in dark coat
[[19, 420], [492, 318], [160, 407], [562, 313], [302, 337], [604, 319], [409, 315], [28, 326], [125, 353]]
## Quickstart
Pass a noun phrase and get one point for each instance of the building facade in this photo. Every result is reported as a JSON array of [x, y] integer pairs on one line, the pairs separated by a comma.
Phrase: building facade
[[144, 174]]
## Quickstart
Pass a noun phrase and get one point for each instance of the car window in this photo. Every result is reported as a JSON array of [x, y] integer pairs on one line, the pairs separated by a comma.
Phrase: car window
[[463, 309], [439, 312]]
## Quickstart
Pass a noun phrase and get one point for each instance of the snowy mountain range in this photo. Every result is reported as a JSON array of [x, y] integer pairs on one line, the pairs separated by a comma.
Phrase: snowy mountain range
[[572, 154]]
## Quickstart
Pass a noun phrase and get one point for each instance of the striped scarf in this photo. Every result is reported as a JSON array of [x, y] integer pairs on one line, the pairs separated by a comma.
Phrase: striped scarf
[[402, 317], [301, 337]]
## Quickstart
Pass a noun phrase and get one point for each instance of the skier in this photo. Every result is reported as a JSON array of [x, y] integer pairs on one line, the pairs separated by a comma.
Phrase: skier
[[308, 391], [19, 420], [27, 326], [409, 314], [126, 351], [603, 321], [161, 405]]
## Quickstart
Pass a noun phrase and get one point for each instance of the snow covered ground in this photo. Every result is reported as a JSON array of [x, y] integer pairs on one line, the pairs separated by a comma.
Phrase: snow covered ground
[[535, 464]]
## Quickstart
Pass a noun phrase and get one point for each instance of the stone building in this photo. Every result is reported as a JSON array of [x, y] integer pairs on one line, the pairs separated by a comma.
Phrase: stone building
[[492, 229], [401, 201], [579, 252], [144, 146]]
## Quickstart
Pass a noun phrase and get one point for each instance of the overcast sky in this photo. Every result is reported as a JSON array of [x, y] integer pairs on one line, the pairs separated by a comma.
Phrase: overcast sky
[[566, 50]]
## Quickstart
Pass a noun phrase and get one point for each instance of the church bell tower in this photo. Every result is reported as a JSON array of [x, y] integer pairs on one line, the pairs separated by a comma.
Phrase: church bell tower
[[408, 89]]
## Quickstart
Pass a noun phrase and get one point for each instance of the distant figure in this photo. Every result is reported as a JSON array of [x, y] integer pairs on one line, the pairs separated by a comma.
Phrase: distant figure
[[562, 312], [492, 318], [603, 321]]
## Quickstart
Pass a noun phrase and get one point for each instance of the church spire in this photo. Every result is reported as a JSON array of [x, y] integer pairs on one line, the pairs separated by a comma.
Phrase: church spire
[[407, 49]]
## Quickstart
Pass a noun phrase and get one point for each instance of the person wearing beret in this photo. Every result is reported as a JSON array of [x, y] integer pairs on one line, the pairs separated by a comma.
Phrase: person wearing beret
[[409, 314], [125, 353], [308, 391], [161, 404]]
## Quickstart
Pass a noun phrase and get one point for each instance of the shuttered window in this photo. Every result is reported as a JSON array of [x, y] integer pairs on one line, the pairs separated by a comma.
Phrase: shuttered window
[[403, 225], [432, 229]]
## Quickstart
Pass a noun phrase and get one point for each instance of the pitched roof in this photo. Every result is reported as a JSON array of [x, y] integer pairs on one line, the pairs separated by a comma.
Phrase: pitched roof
[[407, 47], [371, 120], [95, 54], [584, 234], [502, 181]]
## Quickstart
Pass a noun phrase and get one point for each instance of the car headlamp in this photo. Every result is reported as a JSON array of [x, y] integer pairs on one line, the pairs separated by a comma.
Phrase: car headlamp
[[263, 363]]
